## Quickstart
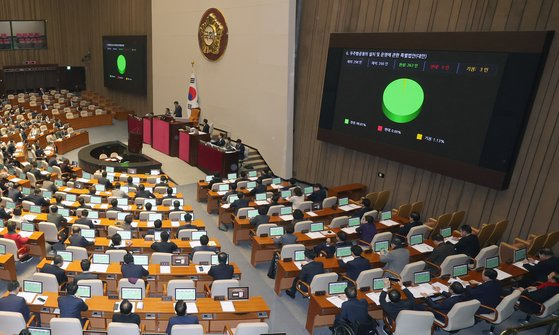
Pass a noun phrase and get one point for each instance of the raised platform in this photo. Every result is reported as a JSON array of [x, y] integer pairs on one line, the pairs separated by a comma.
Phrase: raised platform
[[89, 158]]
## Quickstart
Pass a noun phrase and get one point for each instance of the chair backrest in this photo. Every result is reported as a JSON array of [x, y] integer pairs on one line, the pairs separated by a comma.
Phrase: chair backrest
[[417, 207], [215, 186], [50, 231], [536, 244], [11, 247], [414, 322], [381, 200], [302, 226], [202, 257], [176, 215], [461, 315], [267, 181], [320, 281], [365, 278], [178, 283], [404, 210], [159, 257], [111, 230], [498, 232], [484, 234], [243, 211], [251, 328], [456, 219], [551, 240], [26, 204], [50, 284], [116, 256], [120, 328], [550, 306], [95, 284], [288, 251], [63, 326], [275, 209], [339, 222], [506, 307], [168, 202], [451, 261], [144, 215], [444, 220], [329, 202], [220, 286], [31, 178], [305, 206], [384, 236], [410, 269], [78, 253], [265, 228], [112, 215], [12, 322], [422, 229], [139, 283], [484, 253], [373, 213], [187, 330], [373, 196], [185, 233]]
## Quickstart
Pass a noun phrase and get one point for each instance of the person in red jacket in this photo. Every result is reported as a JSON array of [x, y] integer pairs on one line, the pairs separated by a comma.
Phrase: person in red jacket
[[21, 242]]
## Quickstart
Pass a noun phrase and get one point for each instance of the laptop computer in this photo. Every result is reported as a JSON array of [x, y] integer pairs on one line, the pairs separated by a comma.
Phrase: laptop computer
[[416, 239], [131, 293], [421, 277], [317, 227], [519, 255], [492, 262], [84, 291], [459, 270], [276, 231], [32, 286], [343, 252], [336, 288], [187, 294]]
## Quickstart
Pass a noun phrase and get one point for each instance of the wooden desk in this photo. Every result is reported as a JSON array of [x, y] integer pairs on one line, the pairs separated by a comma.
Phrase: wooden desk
[[156, 313], [202, 191], [73, 142], [213, 160], [352, 191], [89, 121], [188, 146], [143, 246], [8, 267], [213, 197], [36, 243]]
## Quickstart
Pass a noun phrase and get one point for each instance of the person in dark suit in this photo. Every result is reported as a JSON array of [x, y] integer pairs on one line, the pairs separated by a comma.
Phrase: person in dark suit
[[181, 318], [222, 270], [56, 270], [260, 188], [82, 204], [13, 303], [71, 306], [366, 203], [240, 147], [169, 194], [415, 220], [220, 140], [468, 244], [37, 199], [85, 264], [187, 223], [84, 220], [239, 203], [353, 311], [318, 194], [488, 293], [205, 126], [532, 296], [131, 270], [56, 218], [367, 230], [77, 240], [204, 240], [287, 238], [114, 206], [354, 267], [539, 272], [126, 315], [308, 271], [456, 295], [142, 193], [14, 192], [164, 245], [261, 218], [393, 307], [157, 227], [60, 245], [178, 110], [441, 251], [103, 179]]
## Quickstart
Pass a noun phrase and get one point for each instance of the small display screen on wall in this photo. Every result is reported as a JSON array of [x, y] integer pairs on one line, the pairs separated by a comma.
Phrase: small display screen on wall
[[124, 63]]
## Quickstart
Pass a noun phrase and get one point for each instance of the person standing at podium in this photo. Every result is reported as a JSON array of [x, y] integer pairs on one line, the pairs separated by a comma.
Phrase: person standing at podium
[[178, 110]]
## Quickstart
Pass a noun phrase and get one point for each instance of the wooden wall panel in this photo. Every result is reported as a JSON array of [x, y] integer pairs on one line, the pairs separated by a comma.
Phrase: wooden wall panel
[[532, 201]]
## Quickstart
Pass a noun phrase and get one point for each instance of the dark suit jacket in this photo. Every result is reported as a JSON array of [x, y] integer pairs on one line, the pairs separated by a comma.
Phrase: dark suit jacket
[[367, 231], [206, 128], [57, 219], [393, 308], [178, 111], [317, 196], [540, 271], [221, 271], [168, 247], [439, 254], [204, 248], [353, 311], [86, 222], [37, 200], [133, 271], [59, 246], [539, 295], [79, 241], [126, 318], [488, 293], [361, 212], [403, 231], [353, 268], [444, 305], [259, 219], [144, 194], [239, 203], [468, 245], [85, 275], [71, 307], [181, 320], [309, 270], [55, 270], [13, 303]]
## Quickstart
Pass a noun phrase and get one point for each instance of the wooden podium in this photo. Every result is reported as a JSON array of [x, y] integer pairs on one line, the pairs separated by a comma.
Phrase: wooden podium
[[188, 146], [135, 134], [166, 135]]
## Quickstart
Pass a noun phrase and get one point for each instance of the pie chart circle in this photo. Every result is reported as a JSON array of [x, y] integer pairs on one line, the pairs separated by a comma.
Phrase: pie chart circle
[[402, 100], [121, 64]]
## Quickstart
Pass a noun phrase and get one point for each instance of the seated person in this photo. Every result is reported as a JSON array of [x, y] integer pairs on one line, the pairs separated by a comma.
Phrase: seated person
[[318, 194], [169, 195], [130, 182], [85, 264], [3, 214], [297, 198], [368, 230], [239, 203], [117, 192], [353, 311], [157, 224], [261, 218], [307, 273], [204, 240], [84, 220], [298, 216], [532, 296], [354, 267], [56, 269], [162, 181], [142, 193], [126, 315], [548, 263], [36, 198], [127, 223], [114, 206], [182, 318], [187, 223], [131, 270], [176, 206], [12, 303], [222, 270], [103, 179], [366, 203], [82, 203], [56, 218], [287, 238], [21, 242], [468, 243], [329, 249], [395, 304], [455, 295], [488, 293], [77, 240], [164, 245], [116, 242], [441, 251], [397, 258], [60, 245], [71, 306], [415, 221], [260, 188]]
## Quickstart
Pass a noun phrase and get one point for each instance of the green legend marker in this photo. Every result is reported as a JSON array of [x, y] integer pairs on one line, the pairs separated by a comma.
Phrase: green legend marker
[[402, 100], [121, 64], [346, 121]]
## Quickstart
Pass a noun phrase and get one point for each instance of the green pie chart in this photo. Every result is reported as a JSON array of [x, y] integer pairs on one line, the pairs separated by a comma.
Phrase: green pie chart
[[121, 64], [402, 100]]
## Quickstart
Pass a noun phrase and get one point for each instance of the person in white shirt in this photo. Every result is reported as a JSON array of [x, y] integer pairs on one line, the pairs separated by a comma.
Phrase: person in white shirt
[[297, 197]]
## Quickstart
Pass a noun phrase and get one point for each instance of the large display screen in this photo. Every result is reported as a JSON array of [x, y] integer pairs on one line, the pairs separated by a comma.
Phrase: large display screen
[[453, 103], [124, 63]]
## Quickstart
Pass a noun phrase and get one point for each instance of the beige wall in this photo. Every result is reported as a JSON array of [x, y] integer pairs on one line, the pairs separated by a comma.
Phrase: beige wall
[[249, 91]]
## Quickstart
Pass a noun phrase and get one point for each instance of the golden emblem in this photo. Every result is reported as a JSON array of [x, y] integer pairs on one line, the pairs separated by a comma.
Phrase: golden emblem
[[212, 34]]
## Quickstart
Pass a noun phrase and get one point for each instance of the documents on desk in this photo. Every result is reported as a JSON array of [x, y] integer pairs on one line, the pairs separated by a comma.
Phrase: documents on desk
[[28, 296], [314, 235], [502, 274], [286, 217], [65, 265], [175, 224], [225, 206], [300, 264], [67, 203], [82, 180], [191, 308], [452, 280], [276, 187], [389, 223], [350, 230], [221, 192], [520, 264], [423, 248], [25, 233], [29, 217], [311, 213], [350, 207], [375, 297], [347, 259], [194, 244], [203, 268], [337, 300], [100, 268], [451, 240], [261, 202], [427, 288], [227, 306]]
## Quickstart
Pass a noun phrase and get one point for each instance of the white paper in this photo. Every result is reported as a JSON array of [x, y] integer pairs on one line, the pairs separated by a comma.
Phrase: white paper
[[29, 217], [16, 180], [145, 267], [286, 217], [101, 268], [423, 248], [375, 297], [221, 192], [44, 173], [451, 240], [150, 224], [502, 274], [355, 206], [28, 296], [261, 202], [253, 178], [175, 224], [443, 287], [134, 224], [346, 208], [165, 269], [520, 264], [67, 203], [350, 230], [300, 264], [227, 306], [203, 268], [347, 259], [225, 206], [276, 187], [191, 308], [311, 213], [337, 300], [390, 223], [25, 233], [38, 302], [83, 180], [314, 235], [422, 288], [194, 244], [452, 280], [104, 206], [65, 265]]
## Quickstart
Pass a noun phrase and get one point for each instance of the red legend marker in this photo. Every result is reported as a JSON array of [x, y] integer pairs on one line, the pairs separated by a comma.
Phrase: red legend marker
[[379, 128]]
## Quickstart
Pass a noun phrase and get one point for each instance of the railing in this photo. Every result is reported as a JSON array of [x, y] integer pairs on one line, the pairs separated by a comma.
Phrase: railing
[[552, 323]]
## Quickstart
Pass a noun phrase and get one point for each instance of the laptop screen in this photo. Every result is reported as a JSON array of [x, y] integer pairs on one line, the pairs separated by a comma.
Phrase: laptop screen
[[39, 331], [67, 256], [260, 196], [354, 222], [141, 259], [99, 187], [378, 283], [197, 234], [27, 226], [86, 175], [317, 226], [215, 260], [92, 215], [224, 187], [252, 213], [65, 212], [121, 215], [276, 231], [343, 252], [26, 190], [416, 239], [155, 216], [252, 174], [237, 293], [185, 294], [155, 172], [32, 286], [10, 205], [459, 270], [492, 262], [336, 287], [122, 201], [232, 198], [286, 210], [136, 180], [95, 200], [308, 190], [84, 291], [299, 255], [519, 255], [381, 245], [446, 232], [58, 183], [421, 277], [386, 215], [47, 194], [131, 293], [251, 184], [2, 249], [125, 234], [209, 178], [110, 169], [35, 209], [231, 176], [101, 259], [71, 197], [343, 201], [276, 181], [88, 233], [285, 194]]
